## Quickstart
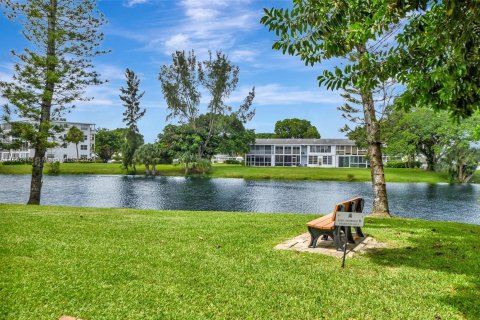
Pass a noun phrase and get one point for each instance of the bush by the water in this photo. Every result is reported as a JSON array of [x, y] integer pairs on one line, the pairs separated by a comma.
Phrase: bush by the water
[[53, 168], [19, 161], [203, 166], [403, 164]]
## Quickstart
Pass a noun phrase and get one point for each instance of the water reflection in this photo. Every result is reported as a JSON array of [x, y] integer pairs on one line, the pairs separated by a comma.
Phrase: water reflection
[[425, 201]]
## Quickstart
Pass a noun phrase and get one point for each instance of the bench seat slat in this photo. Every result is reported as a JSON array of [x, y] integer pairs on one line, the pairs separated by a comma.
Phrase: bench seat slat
[[324, 222]]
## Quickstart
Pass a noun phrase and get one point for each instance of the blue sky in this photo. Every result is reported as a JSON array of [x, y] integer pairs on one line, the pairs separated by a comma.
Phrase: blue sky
[[142, 34]]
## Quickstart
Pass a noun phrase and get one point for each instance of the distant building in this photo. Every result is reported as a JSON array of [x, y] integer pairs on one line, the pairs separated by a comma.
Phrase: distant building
[[221, 158], [327, 153], [61, 152]]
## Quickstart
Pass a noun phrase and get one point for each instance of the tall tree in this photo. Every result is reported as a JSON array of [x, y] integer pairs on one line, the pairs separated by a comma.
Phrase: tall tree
[[181, 83], [180, 86], [74, 135], [317, 30], [132, 140], [296, 129], [131, 97], [220, 77], [53, 71]]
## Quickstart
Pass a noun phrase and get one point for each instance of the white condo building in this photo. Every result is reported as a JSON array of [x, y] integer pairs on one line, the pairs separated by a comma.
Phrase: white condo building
[[61, 152], [328, 153]]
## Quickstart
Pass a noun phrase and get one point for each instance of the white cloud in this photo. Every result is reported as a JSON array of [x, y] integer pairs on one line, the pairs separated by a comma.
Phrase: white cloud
[[177, 42], [275, 94], [110, 72], [243, 55], [131, 3], [205, 25]]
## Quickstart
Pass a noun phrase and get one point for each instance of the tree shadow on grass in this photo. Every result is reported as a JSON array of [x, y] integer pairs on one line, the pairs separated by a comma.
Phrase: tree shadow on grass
[[446, 247]]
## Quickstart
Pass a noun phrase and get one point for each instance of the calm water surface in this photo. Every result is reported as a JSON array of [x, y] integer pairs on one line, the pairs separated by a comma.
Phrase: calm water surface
[[424, 201]]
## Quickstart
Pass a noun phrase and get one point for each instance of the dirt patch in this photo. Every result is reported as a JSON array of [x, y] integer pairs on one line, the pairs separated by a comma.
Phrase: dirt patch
[[327, 247]]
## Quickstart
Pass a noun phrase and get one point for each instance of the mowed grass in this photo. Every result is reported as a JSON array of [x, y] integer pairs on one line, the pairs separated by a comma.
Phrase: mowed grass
[[145, 264], [253, 173]]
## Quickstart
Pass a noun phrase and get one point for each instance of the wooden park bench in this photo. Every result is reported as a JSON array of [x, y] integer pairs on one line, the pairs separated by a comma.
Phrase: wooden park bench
[[325, 226]]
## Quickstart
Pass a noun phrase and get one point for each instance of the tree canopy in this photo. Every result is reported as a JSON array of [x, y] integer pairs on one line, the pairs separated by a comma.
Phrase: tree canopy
[[75, 136], [109, 142], [296, 129]]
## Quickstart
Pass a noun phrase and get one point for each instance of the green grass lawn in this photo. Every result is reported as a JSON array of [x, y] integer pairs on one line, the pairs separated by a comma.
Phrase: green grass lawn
[[145, 264], [236, 171]]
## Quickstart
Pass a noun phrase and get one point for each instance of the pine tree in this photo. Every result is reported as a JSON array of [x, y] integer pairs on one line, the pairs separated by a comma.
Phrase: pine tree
[[53, 71], [131, 101]]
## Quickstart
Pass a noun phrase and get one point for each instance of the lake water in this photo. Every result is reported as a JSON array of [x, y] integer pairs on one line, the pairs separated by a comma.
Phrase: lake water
[[413, 200]]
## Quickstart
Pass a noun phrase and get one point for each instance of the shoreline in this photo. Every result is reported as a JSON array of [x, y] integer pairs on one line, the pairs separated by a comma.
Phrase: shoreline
[[252, 173]]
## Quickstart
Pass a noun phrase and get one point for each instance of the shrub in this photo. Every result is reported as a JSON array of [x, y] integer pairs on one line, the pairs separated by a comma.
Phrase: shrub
[[53, 168], [232, 161], [81, 161], [402, 164], [350, 177], [396, 164], [203, 165], [19, 161]]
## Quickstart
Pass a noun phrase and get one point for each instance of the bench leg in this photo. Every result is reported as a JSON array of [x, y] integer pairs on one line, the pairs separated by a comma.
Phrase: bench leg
[[336, 239], [359, 232], [349, 235], [314, 234]]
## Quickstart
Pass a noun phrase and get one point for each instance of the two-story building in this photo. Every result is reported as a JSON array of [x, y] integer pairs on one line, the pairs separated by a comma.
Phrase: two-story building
[[61, 152], [328, 153]]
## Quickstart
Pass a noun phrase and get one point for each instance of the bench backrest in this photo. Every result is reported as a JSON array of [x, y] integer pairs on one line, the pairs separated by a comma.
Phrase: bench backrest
[[351, 205]]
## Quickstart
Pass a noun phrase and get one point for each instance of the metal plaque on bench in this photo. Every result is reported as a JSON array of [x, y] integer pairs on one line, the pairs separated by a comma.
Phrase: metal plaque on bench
[[349, 219]]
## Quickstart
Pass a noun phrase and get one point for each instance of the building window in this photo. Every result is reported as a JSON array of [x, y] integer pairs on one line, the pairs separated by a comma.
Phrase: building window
[[358, 162], [288, 150], [85, 138], [343, 162], [83, 147], [312, 160], [279, 161], [321, 149], [296, 150], [327, 160], [259, 161], [278, 150], [84, 127]]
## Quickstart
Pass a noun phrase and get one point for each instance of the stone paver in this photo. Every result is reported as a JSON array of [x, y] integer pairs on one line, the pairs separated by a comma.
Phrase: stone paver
[[327, 247]]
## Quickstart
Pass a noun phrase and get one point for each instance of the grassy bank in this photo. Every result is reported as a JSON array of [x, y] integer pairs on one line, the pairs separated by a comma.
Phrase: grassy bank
[[144, 264], [235, 171]]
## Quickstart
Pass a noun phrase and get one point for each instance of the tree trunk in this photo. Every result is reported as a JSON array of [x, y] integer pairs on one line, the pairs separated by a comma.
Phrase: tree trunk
[[380, 201], [46, 104], [154, 169], [147, 169], [461, 175], [430, 163], [76, 146]]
